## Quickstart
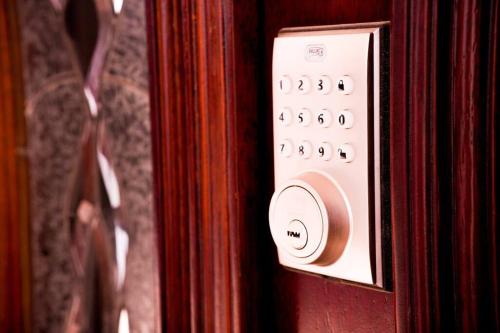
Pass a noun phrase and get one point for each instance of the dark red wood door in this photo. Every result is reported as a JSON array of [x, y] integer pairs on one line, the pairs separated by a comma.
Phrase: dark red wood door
[[211, 71]]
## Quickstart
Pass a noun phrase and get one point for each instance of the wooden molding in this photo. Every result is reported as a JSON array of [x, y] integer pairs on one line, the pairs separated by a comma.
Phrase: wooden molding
[[205, 209], [443, 170], [14, 223]]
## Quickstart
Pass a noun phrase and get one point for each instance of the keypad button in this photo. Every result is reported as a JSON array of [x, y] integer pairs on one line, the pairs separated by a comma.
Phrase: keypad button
[[285, 84], [323, 85], [305, 149], [304, 117], [344, 119], [285, 116], [285, 148], [344, 85], [303, 84], [324, 118], [324, 151], [345, 153]]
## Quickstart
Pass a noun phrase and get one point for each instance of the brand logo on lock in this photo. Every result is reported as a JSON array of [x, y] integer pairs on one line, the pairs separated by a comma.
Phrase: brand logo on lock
[[315, 52], [293, 234]]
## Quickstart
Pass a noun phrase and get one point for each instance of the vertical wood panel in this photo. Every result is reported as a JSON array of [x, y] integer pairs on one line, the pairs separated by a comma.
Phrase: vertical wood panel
[[202, 86], [14, 230], [474, 125]]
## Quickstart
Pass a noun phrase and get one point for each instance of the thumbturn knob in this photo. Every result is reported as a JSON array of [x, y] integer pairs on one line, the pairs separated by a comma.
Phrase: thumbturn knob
[[309, 218]]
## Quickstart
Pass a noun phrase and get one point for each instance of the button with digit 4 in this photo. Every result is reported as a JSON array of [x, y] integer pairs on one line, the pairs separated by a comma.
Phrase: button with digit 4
[[344, 119], [345, 153], [285, 148], [324, 118], [305, 149], [285, 116]]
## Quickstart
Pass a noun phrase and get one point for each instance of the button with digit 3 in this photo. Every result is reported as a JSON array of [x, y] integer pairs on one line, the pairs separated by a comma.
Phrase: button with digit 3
[[323, 85]]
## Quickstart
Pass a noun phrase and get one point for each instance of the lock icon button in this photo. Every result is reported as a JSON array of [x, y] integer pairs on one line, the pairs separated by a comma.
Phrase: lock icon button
[[345, 85]]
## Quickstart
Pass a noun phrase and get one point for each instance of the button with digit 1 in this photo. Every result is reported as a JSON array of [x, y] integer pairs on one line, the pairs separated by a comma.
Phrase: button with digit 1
[[285, 84]]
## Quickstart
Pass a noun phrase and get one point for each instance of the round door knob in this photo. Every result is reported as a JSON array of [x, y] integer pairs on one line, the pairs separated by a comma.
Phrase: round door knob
[[309, 218]]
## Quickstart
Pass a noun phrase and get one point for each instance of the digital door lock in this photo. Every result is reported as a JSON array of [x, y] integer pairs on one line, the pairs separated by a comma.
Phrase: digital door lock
[[329, 213]]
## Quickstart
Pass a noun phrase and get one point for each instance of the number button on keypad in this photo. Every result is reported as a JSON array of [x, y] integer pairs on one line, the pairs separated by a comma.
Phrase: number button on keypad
[[285, 148], [344, 119], [304, 117], [323, 85], [305, 149], [303, 85], [285, 116], [324, 118], [285, 84], [324, 151]]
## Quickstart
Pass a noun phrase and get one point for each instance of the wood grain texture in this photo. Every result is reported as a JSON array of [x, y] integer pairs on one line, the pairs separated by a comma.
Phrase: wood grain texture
[[202, 69], [474, 127], [443, 137], [213, 64], [14, 230], [415, 178]]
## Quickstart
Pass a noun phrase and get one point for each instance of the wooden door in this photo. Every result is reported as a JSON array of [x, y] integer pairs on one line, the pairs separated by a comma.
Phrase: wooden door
[[15, 299], [210, 63]]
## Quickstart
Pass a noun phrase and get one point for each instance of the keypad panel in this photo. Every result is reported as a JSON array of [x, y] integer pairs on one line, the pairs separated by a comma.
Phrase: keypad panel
[[325, 116]]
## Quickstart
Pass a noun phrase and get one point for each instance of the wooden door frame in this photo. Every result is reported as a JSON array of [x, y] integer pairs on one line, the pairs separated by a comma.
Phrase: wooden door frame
[[15, 275], [207, 139], [208, 275]]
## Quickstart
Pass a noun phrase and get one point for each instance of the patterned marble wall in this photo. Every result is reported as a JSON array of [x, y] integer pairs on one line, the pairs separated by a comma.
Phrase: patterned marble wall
[[56, 114]]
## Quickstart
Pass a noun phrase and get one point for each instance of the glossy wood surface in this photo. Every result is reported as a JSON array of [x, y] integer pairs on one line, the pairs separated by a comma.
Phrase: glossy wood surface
[[14, 229]]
